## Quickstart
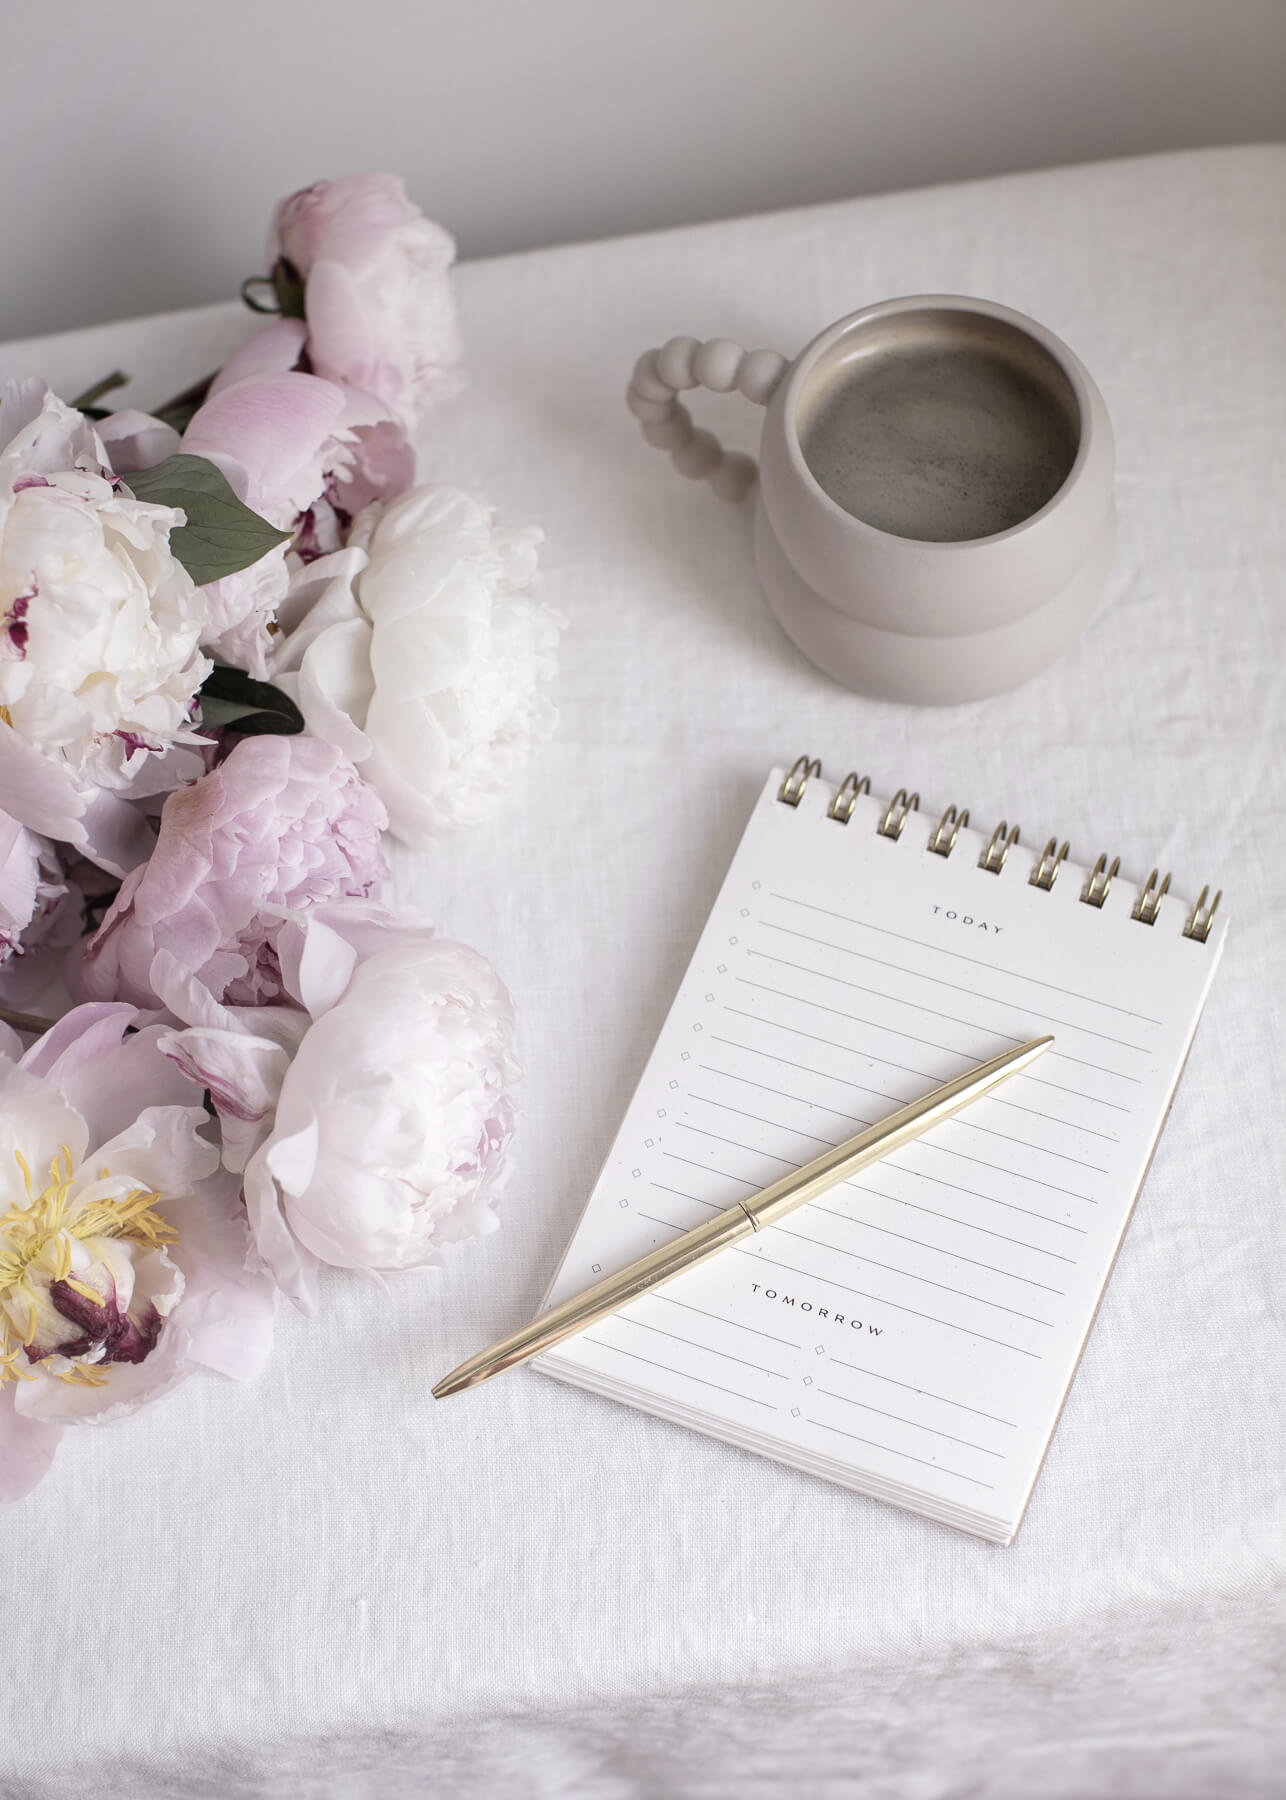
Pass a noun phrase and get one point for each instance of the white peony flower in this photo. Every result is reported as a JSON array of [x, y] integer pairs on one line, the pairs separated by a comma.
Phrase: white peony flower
[[99, 625], [426, 660], [372, 1117], [30, 883], [122, 1243]]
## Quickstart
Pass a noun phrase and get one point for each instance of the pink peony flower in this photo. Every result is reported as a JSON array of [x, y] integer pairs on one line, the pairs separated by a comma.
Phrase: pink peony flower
[[122, 1244], [283, 823], [305, 454], [372, 1122], [380, 309], [275, 436], [376, 459]]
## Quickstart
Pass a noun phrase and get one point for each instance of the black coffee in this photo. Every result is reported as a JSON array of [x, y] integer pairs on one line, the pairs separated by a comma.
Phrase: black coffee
[[938, 444]]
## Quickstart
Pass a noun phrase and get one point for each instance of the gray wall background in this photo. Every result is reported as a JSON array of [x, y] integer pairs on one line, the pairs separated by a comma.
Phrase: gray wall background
[[148, 139]]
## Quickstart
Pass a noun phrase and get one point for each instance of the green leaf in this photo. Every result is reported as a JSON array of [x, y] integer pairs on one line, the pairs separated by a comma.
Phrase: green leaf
[[221, 535], [235, 700]]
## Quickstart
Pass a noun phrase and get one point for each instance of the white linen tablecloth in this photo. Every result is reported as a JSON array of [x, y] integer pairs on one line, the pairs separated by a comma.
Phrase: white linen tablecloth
[[330, 1585]]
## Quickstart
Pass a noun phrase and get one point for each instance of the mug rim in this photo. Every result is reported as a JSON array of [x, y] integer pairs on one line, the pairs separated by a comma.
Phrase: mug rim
[[1065, 358]]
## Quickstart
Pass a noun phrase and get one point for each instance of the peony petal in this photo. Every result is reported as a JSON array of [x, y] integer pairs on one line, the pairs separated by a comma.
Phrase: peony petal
[[27, 1448], [114, 834], [36, 1122], [317, 965], [273, 351], [135, 440], [112, 1090], [84, 1032], [293, 1160], [39, 792], [226, 1314], [130, 1386], [278, 428], [321, 595], [243, 1075], [293, 1268], [340, 330], [162, 1150], [335, 687]]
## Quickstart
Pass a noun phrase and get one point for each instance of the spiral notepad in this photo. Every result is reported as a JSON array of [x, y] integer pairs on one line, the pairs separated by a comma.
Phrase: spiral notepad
[[912, 1333]]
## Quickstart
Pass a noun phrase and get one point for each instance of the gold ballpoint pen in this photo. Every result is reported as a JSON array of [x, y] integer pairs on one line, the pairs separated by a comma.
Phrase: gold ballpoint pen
[[740, 1221]]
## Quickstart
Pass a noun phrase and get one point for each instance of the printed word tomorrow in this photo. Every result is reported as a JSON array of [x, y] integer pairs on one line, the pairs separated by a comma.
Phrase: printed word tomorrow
[[820, 1312]]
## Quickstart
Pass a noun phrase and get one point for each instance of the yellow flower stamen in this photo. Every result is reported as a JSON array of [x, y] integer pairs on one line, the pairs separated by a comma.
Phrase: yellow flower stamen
[[44, 1226], [82, 1375]]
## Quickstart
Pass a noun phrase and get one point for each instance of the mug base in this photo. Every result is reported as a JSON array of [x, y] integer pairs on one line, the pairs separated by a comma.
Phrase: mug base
[[929, 671]]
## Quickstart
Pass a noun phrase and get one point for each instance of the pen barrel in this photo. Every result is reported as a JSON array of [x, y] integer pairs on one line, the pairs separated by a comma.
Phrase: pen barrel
[[609, 1295], [888, 1135]]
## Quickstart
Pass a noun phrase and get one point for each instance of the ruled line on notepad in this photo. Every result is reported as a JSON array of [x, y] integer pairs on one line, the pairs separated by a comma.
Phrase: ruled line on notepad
[[943, 1287], [908, 1068], [759, 1118], [913, 1423], [900, 968], [968, 1224], [911, 1205], [912, 1389], [723, 1319], [999, 1169], [972, 1024], [880, 993], [844, 1081], [965, 1224], [924, 1143], [802, 1100], [1053, 1118], [833, 1144], [940, 1249], [736, 1144], [661, 1188], [895, 1305], [839, 1012], [1079, 1094], [884, 1230], [706, 1349], [668, 1223], [1011, 1205], [683, 1374], [925, 1461], [959, 955]]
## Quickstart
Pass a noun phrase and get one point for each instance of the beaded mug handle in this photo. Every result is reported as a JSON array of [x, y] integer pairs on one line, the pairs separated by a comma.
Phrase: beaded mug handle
[[719, 365]]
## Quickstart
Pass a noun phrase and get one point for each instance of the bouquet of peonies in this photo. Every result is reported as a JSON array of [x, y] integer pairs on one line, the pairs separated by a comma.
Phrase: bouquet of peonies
[[237, 646]]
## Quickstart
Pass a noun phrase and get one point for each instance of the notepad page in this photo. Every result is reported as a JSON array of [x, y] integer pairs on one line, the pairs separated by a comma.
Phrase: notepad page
[[912, 1332]]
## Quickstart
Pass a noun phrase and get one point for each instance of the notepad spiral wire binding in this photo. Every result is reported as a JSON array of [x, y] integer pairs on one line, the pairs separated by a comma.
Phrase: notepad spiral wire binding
[[942, 841]]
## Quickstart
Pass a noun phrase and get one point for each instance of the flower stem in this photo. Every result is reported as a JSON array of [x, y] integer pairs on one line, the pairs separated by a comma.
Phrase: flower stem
[[179, 411], [22, 1021], [117, 379]]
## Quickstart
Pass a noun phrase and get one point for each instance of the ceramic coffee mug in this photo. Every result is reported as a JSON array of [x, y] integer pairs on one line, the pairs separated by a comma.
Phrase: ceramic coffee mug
[[934, 520]]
